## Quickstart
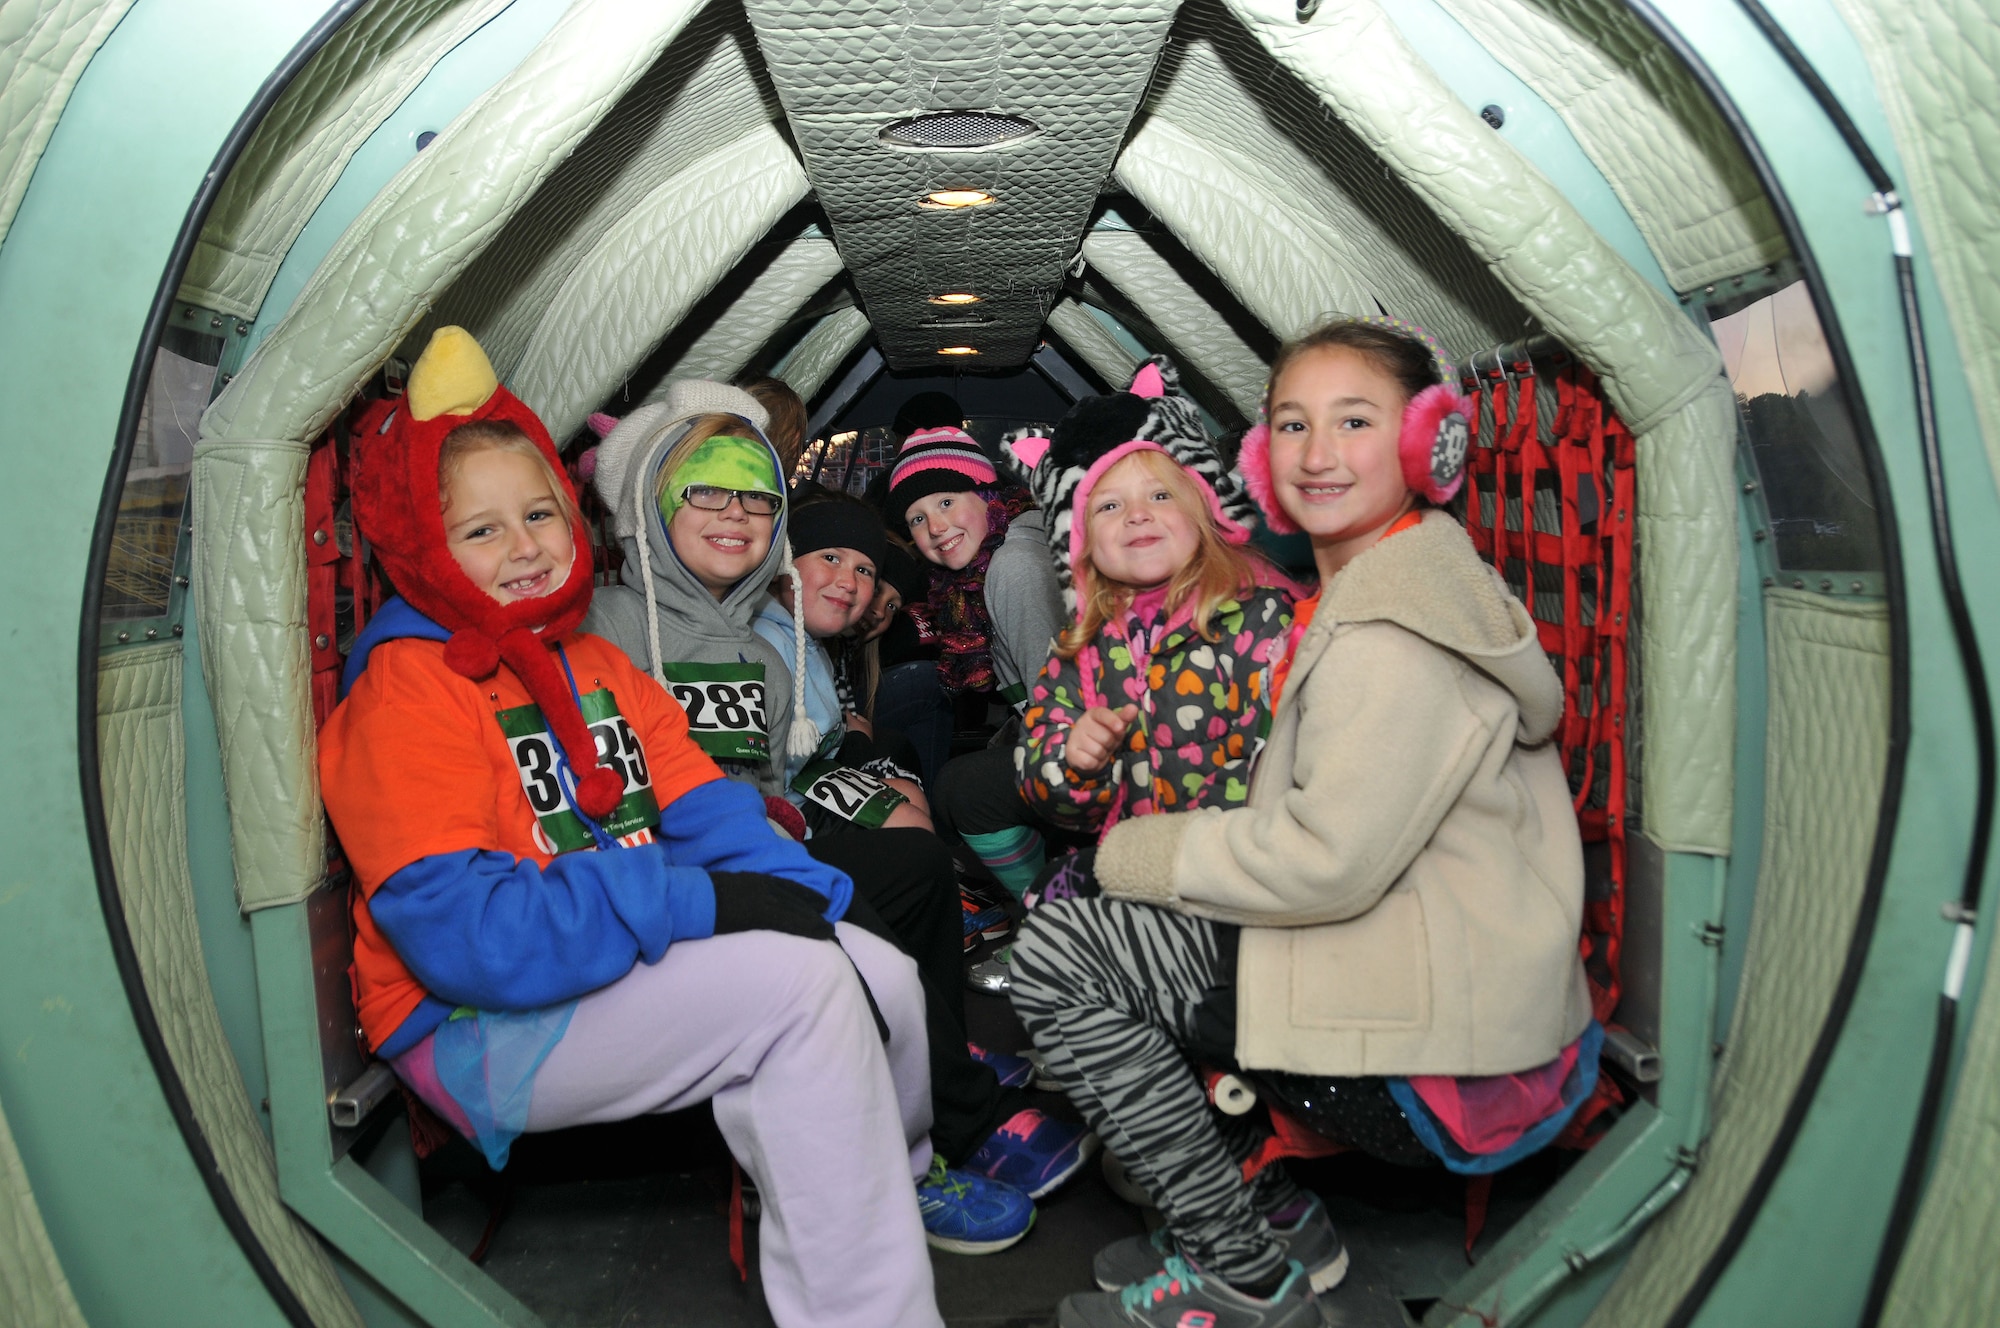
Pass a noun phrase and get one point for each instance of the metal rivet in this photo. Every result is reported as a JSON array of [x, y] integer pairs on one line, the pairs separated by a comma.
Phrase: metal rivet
[[215, 322], [319, 537], [178, 629], [242, 329], [1770, 581], [1854, 586], [1760, 534], [181, 581], [124, 636], [1708, 290], [493, 696], [1749, 486], [321, 642], [1798, 583], [152, 633], [1826, 584], [188, 312]]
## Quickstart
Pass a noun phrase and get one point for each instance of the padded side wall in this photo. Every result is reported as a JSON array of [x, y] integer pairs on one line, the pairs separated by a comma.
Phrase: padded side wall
[[771, 300], [1662, 374], [1198, 331], [435, 217], [33, 1289], [1645, 123], [250, 608], [1823, 786], [145, 798], [300, 149], [1082, 333], [44, 46], [822, 350], [1936, 63]]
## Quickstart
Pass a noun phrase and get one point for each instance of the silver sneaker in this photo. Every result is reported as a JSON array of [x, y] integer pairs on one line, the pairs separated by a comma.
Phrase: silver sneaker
[[1311, 1240], [993, 976]]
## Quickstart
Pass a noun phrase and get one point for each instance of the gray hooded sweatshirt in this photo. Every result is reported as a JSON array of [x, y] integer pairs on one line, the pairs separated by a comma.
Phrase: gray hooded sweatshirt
[[693, 628]]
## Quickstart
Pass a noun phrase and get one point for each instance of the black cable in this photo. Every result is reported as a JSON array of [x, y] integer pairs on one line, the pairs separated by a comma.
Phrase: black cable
[[1869, 909], [109, 899], [1910, 1185]]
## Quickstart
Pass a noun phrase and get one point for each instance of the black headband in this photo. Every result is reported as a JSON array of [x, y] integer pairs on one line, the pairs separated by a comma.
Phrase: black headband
[[837, 525]]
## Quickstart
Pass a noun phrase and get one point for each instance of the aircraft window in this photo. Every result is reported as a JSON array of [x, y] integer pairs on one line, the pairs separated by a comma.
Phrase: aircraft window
[[139, 581], [1801, 438]]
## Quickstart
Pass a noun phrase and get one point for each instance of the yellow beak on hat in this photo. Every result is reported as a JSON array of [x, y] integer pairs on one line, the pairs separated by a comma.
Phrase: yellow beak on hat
[[452, 376]]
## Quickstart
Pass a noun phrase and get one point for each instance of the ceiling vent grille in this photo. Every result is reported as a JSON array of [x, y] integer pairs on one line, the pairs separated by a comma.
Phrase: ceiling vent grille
[[958, 131]]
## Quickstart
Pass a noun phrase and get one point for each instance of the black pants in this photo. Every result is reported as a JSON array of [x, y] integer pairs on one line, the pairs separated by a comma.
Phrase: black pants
[[979, 794], [906, 892]]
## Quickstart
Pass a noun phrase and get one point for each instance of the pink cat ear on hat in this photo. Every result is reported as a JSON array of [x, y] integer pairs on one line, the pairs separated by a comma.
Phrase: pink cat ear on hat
[[1148, 382], [1029, 451]]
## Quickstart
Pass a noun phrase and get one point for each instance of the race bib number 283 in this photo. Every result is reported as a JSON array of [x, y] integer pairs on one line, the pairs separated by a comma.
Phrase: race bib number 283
[[725, 708]]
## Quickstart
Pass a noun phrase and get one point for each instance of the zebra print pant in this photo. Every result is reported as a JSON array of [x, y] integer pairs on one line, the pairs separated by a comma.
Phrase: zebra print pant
[[1115, 995]]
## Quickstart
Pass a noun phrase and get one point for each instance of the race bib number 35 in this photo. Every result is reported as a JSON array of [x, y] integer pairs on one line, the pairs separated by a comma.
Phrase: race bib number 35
[[725, 708], [852, 795], [559, 828]]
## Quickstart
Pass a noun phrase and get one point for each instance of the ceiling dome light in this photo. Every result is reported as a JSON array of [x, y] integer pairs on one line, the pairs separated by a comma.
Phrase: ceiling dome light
[[957, 131], [955, 297], [956, 198], [957, 350]]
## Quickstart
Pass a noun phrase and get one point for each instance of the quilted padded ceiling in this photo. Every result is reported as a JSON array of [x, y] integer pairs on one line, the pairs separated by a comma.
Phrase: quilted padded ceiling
[[845, 70]]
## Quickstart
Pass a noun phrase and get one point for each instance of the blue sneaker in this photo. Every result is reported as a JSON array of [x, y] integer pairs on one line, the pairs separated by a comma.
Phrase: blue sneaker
[[967, 1214], [1033, 1152], [1014, 1071]]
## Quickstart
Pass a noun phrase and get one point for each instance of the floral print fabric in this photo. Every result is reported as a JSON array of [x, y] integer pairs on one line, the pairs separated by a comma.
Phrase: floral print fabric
[[1203, 714]]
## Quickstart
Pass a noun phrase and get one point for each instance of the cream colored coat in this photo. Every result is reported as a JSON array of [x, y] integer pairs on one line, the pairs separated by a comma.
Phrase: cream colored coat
[[1407, 869]]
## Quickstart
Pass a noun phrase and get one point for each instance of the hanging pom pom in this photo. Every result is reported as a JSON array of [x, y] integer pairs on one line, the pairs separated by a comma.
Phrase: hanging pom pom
[[598, 792], [471, 654]]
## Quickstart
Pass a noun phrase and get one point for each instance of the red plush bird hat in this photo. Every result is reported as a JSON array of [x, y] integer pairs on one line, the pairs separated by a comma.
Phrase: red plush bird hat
[[398, 509]]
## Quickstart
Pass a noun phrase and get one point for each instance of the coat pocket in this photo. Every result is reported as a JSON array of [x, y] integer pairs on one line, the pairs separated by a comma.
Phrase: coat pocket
[[1368, 972]]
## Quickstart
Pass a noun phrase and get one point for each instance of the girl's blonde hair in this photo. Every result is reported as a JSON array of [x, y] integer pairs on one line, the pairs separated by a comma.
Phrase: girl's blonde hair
[[703, 429], [1218, 572], [478, 436]]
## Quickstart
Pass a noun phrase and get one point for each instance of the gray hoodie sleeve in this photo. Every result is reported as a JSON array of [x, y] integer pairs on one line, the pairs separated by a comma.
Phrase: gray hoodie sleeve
[[1025, 604]]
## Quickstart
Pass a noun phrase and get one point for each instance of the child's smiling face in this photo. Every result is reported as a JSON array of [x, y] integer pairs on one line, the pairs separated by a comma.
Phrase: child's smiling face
[[836, 585], [505, 527], [1336, 416], [720, 548], [1138, 532], [949, 527]]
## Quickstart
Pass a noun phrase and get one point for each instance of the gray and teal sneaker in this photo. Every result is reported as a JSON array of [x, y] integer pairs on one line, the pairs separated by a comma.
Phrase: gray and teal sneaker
[[1310, 1239], [1180, 1295], [968, 1214]]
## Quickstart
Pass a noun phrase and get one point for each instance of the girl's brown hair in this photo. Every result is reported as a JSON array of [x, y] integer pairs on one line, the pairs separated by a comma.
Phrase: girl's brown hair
[[502, 436], [1404, 358], [1218, 572]]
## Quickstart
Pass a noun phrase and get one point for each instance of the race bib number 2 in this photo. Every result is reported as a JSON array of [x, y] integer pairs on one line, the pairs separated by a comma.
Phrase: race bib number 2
[[852, 795], [725, 708], [558, 828]]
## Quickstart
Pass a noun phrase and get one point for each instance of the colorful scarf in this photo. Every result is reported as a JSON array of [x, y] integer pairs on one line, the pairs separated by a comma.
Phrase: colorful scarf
[[958, 601]]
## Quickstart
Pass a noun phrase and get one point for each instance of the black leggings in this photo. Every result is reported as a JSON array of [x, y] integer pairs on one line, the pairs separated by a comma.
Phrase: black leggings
[[906, 892]]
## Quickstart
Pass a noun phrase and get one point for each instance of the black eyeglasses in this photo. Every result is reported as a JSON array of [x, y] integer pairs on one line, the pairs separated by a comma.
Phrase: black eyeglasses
[[711, 499]]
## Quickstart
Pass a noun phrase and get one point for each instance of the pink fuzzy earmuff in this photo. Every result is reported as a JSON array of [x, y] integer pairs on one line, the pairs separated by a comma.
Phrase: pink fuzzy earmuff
[[1432, 442]]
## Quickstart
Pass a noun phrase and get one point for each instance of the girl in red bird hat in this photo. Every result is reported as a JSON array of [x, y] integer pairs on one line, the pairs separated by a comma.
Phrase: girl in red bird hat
[[565, 913]]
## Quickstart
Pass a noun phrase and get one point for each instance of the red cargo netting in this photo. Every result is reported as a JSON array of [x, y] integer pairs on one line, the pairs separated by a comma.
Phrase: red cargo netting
[[1550, 500]]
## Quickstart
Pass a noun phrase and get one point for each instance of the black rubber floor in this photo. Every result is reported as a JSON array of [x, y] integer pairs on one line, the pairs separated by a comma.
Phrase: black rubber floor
[[626, 1226]]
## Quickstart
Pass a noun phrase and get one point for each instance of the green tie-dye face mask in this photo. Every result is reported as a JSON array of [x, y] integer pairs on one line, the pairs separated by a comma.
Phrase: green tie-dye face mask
[[722, 463]]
